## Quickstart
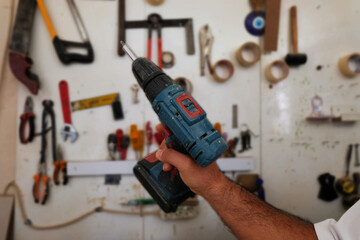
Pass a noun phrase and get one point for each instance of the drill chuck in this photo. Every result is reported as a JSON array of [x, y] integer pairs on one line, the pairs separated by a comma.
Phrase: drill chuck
[[150, 77]]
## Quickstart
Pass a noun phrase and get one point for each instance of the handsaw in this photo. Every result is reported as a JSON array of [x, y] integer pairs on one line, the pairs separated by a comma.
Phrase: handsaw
[[19, 60]]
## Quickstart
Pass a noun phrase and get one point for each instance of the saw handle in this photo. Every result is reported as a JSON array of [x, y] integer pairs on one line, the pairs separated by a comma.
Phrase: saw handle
[[62, 46]]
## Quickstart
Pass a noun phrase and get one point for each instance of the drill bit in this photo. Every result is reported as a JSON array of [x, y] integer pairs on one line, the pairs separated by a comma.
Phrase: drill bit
[[128, 51]]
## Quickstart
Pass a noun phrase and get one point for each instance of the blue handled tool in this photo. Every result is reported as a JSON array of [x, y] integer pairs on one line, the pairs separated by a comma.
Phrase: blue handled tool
[[187, 130]]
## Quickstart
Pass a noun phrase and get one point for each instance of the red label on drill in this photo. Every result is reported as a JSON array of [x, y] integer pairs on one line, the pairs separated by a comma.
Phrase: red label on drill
[[192, 109]]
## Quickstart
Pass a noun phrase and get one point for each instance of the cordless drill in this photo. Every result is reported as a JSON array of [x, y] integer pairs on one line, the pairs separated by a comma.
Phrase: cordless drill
[[187, 130]]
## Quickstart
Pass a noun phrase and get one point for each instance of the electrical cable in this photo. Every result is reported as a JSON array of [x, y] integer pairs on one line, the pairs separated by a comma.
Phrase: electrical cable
[[29, 223]]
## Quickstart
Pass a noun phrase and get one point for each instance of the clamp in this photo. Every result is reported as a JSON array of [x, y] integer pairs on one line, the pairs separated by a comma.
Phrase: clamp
[[27, 117], [41, 177], [206, 40]]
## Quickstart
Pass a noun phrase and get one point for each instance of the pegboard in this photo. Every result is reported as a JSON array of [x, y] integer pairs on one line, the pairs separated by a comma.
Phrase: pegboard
[[289, 153]]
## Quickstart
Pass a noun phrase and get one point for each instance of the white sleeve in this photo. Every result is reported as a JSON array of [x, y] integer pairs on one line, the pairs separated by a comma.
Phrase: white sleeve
[[346, 228]]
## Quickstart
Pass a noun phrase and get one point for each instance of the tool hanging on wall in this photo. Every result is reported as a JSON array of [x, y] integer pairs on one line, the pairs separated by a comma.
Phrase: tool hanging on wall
[[248, 48], [317, 110], [112, 144], [350, 200], [230, 152], [68, 129], [168, 59], [60, 167], [345, 185], [124, 145], [41, 179], [347, 61], [135, 89], [234, 116], [327, 187], [245, 136], [27, 118], [223, 69], [61, 46], [295, 58], [135, 139], [255, 20], [112, 99], [272, 10], [357, 160], [19, 59], [154, 21]]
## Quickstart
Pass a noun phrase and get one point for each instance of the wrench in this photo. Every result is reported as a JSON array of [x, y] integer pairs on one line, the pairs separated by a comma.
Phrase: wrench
[[68, 129]]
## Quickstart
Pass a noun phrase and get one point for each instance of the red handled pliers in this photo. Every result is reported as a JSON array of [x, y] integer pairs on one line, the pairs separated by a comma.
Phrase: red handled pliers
[[155, 22], [27, 117]]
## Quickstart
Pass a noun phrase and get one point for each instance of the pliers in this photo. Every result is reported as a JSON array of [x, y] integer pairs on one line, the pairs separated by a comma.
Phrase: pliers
[[60, 166], [155, 22], [40, 192], [27, 117]]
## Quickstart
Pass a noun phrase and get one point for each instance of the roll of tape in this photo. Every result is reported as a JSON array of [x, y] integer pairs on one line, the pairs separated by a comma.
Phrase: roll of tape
[[253, 49], [155, 2], [168, 59], [345, 62], [282, 67], [222, 70], [184, 83]]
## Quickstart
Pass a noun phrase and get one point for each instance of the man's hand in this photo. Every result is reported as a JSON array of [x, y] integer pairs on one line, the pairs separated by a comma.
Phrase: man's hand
[[202, 181]]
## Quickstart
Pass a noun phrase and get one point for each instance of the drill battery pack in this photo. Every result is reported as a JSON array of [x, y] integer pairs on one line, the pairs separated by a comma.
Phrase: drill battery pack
[[166, 188]]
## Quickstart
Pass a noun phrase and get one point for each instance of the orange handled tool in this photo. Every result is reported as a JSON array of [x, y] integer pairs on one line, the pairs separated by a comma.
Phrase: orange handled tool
[[61, 46], [41, 185], [135, 139]]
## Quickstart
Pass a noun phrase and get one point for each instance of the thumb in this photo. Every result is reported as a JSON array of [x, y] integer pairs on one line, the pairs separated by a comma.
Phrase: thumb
[[175, 158]]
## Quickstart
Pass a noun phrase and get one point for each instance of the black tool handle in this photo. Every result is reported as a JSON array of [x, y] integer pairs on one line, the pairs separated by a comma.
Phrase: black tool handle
[[348, 159], [30, 117], [61, 47]]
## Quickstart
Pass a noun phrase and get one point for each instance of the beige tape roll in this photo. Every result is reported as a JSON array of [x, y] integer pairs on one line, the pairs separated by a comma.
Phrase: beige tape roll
[[155, 2], [222, 70], [252, 48], [282, 66], [348, 59], [184, 83]]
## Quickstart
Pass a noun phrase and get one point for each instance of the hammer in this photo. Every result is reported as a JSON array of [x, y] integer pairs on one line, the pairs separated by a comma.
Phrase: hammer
[[295, 58]]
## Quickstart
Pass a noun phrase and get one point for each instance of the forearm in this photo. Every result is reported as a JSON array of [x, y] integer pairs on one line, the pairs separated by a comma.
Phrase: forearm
[[250, 218]]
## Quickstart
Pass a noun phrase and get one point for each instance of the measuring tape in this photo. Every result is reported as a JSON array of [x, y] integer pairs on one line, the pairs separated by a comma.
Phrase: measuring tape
[[94, 102]]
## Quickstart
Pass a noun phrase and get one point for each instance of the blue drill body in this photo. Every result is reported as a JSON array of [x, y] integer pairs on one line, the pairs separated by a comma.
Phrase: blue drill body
[[191, 131]]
